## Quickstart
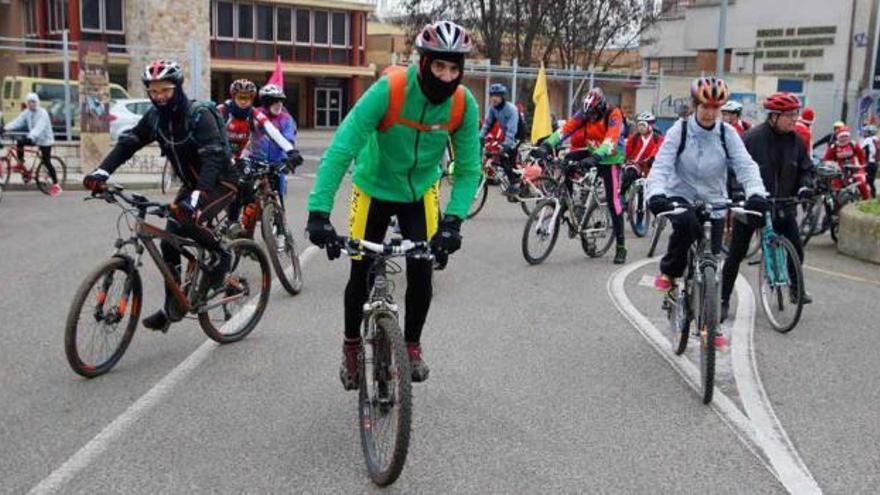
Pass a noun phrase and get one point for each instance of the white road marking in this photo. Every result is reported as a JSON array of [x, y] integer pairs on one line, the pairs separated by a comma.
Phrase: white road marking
[[842, 275], [101, 442], [760, 430], [646, 281]]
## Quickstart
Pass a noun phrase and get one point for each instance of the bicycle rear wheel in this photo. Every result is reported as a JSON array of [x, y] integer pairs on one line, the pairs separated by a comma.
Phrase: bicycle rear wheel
[[229, 313], [102, 318], [541, 232], [281, 248], [385, 401], [782, 303], [659, 225], [708, 330], [597, 231], [44, 180]]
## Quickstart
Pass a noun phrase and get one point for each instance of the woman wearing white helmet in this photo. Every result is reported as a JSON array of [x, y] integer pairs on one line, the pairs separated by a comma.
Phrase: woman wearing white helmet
[[731, 113]]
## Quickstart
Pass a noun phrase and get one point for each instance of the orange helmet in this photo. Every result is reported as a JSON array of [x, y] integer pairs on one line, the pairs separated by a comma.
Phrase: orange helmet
[[709, 91]]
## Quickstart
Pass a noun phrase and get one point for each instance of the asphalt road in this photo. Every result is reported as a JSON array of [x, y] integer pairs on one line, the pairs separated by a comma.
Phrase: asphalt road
[[538, 385]]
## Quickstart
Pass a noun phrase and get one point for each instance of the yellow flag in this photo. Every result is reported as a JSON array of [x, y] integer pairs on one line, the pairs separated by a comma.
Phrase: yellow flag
[[541, 123]]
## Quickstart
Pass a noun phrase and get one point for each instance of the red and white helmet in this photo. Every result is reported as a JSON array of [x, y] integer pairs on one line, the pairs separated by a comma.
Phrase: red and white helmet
[[709, 91], [782, 102], [444, 37], [272, 92], [245, 86], [594, 101], [162, 70]]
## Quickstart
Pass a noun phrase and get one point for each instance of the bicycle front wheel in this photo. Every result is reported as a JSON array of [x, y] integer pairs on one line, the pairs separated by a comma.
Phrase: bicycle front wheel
[[708, 330], [385, 401], [597, 229], [44, 179], [660, 224], [638, 213], [5, 171], [230, 312], [281, 248], [479, 198], [541, 232], [781, 282], [102, 318]]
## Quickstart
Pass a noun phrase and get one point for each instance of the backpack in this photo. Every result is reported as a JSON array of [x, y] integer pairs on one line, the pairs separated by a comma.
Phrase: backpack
[[195, 115], [683, 141], [397, 96]]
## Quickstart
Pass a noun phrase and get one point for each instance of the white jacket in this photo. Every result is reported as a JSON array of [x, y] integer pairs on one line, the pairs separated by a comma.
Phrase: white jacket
[[37, 124], [700, 173]]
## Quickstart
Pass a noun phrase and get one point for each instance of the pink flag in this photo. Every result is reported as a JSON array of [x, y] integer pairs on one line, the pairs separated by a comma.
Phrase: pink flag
[[277, 77]]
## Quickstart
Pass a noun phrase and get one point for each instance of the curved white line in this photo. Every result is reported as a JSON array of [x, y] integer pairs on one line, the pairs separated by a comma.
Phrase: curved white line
[[762, 436], [101, 442]]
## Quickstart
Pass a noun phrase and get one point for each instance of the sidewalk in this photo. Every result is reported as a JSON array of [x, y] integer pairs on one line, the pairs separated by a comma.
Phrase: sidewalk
[[74, 181]]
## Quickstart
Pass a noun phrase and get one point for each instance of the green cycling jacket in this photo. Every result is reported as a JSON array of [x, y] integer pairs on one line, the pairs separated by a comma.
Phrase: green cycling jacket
[[400, 164]]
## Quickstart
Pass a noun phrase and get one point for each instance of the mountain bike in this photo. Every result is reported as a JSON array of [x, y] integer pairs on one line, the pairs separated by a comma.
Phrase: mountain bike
[[384, 371], [697, 297], [169, 181], [636, 203], [265, 205], [105, 309], [780, 276], [576, 198], [847, 194], [37, 172]]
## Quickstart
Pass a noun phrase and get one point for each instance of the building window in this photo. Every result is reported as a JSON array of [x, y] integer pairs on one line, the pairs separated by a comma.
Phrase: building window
[[102, 15], [303, 26], [225, 21], [339, 29], [284, 31], [245, 21], [265, 23], [58, 16], [322, 27], [29, 9]]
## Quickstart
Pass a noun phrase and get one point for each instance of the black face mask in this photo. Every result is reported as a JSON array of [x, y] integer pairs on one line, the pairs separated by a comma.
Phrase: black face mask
[[237, 112], [436, 90], [500, 104], [176, 107]]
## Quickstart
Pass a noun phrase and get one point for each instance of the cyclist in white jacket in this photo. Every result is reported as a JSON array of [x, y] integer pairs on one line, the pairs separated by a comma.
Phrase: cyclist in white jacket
[[35, 121], [695, 169]]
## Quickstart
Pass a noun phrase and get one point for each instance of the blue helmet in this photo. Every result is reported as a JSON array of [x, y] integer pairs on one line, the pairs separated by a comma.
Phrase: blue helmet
[[497, 89]]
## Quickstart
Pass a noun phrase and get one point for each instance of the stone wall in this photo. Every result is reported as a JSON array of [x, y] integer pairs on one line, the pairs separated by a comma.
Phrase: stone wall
[[145, 161], [164, 29], [859, 235]]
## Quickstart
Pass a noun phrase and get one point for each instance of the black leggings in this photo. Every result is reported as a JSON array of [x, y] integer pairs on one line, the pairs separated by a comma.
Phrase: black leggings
[[784, 224], [872, 176], [217, 199], [369, 219], [686, 229], [45, 157], [611, 180]]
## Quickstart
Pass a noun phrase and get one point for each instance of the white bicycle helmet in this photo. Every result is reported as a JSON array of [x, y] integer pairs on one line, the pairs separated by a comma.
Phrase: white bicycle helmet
[[444, 37], [272, 92], [732, 107], [646, 117]]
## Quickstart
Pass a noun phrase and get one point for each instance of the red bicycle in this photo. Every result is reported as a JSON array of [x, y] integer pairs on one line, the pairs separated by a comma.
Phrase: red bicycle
[[37, 172]]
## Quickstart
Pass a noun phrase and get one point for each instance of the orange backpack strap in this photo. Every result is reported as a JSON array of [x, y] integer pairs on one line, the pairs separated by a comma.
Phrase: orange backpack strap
[[456, 112], [396, 96]]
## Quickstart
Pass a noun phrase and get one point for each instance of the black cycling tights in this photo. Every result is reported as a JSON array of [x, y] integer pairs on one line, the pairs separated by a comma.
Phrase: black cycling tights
[[45, 157], [373, 217]]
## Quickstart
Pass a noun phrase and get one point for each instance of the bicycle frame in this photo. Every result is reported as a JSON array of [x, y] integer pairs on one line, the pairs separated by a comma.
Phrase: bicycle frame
[[774, 259]]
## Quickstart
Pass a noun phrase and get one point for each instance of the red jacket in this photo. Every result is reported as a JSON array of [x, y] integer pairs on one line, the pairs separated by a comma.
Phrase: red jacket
[[641, 150], [850, 154], [741, 127], [806, 134], [585, 134]]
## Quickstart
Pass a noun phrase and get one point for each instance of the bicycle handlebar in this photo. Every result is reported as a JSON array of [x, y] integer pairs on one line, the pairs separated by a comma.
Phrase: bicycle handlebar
[[397, 247], [113, 191]]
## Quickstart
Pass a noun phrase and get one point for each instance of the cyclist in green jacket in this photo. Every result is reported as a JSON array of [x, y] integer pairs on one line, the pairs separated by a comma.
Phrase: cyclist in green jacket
[[397, 134]]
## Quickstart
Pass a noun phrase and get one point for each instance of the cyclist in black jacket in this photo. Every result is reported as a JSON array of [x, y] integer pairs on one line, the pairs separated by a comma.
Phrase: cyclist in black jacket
[[786, 170], [191, 135]]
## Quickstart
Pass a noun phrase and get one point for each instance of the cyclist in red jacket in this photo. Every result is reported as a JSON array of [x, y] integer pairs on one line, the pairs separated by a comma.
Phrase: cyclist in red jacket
[[731, 113], [641, 148], [851, 159]]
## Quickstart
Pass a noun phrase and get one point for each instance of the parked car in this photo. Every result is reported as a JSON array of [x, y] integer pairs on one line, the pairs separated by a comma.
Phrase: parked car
[[124, 114]]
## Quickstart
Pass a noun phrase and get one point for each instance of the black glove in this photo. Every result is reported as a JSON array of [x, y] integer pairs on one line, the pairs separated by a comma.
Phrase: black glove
[[659, 203], [447, 240], [294, 159], [542, 151], [322, 233], [190, 207], [96, 181], [757, 203]]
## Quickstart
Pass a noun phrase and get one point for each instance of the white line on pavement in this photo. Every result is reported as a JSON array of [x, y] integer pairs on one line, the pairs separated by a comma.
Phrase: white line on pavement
[[783, 456], [97, 445], [842, 275], [757, 436]]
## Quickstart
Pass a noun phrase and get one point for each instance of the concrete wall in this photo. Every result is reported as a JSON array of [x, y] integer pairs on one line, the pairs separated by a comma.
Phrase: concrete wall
[[859, 235], [162, 29]]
